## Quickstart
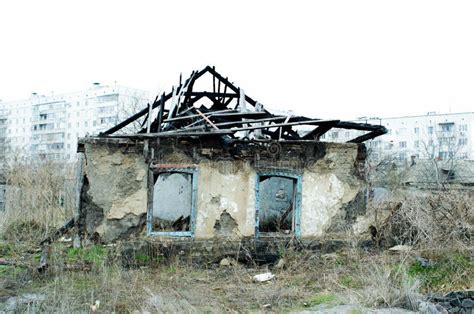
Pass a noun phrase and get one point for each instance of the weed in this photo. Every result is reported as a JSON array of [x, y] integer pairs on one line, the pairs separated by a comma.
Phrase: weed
[[322, 298], [11, 271], [171, 269], [6, 249], [95, 255], [142, 259], [452, 271], [349, 281]]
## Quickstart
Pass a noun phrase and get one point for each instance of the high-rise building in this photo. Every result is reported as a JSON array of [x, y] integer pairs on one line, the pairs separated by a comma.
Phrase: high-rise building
[[47, 127], [3, 132], [441, 136]]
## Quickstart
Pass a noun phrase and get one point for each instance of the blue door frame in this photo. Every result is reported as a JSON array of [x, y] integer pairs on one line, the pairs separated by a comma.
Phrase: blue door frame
[[192, 226], [296, 203]]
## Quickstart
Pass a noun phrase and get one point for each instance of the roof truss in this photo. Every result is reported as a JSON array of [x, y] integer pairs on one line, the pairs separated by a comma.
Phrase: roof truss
[[225, 110]]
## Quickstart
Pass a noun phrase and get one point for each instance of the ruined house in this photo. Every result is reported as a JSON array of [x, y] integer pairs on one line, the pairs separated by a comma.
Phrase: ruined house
[[211, 165]]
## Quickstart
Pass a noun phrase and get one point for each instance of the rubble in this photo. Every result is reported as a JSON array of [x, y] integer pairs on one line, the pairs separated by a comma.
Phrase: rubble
[[263, 277]]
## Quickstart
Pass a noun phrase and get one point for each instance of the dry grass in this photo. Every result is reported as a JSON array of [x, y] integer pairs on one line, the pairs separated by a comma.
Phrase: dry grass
[[40, 197], [77, 278], [436, 219]]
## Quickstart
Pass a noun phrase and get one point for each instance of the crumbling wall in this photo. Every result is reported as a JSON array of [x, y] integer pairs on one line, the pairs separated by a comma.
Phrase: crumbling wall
[[115, 194], [330, 186], [225, 188]]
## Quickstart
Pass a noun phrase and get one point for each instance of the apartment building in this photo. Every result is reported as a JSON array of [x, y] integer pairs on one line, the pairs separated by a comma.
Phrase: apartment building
[[443, 136], [3, 133], [47, 127]]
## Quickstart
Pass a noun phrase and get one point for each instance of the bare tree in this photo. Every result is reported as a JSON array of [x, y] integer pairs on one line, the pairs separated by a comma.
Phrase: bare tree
[[128, 106], [441, 159], [435, 163]]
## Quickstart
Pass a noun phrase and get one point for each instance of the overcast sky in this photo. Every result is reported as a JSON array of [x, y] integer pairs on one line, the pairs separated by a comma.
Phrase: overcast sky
[[340, 59]]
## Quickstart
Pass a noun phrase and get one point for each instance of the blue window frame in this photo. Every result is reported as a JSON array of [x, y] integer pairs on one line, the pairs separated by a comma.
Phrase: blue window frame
[[154, 202], [296, 201]]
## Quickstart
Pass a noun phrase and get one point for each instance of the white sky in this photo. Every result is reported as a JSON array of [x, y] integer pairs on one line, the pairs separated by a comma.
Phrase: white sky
[[340, 59]]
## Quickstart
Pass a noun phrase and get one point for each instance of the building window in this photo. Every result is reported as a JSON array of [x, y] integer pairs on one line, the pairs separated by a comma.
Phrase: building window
[[447, 127], [417, 144], [402, 144], [278, 204], [463, 127], [462, 141], [430, 130], [417, 130], [172, 210]]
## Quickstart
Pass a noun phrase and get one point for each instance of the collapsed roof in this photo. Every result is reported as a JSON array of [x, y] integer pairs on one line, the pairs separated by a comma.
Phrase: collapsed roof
[[191, 109]]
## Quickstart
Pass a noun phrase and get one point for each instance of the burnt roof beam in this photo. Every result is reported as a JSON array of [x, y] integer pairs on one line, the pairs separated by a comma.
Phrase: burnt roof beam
[[320, 130], [368, 136], [155, 104], [357, 126], [279, 118], [230, 85], [277, 125]]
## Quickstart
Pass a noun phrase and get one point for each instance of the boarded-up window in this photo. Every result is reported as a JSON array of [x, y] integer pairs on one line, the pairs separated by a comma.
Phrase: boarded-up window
[[172, 202], [276, 204]]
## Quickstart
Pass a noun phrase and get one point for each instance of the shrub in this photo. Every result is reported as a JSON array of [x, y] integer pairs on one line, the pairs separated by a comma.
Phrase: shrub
[[440, 218]]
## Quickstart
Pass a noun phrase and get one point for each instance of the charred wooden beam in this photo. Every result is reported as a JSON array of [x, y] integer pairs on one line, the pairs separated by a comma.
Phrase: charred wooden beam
[[193, 79], [289, 133], [59, 232], [217, 105], [170, 134], [132, 118], [214, 113], [380, 131], [277, 118], [356, 126], [269, 126], [320, 130], [160, 113], [155, 104], [229, 85], [184, 121], [212, 94]]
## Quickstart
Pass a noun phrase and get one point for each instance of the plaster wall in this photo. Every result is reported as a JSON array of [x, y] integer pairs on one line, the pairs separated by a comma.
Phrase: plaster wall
[[114, 202], [116, 192], [328, 185], [225, 187]]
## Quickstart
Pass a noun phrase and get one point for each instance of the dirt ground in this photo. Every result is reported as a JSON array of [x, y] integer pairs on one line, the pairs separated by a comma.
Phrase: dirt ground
[[93, 279]]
